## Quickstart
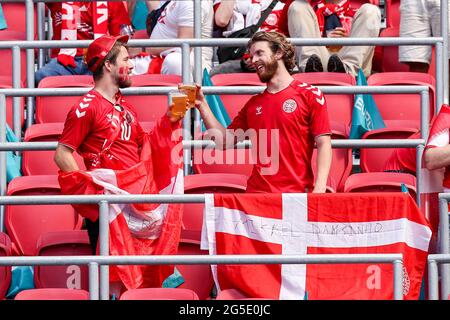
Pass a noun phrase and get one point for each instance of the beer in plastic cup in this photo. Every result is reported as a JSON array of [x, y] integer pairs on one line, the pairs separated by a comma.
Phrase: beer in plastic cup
[[178, 102], [190, 89]]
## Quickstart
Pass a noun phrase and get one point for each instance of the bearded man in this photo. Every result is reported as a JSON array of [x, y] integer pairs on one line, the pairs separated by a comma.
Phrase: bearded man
[[291, 114]]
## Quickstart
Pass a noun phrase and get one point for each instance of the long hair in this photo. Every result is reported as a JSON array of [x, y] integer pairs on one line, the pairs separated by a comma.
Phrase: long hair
[[277, 41]]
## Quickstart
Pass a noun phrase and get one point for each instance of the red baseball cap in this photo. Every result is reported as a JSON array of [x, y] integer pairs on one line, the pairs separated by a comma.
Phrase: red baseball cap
[[99, 49]]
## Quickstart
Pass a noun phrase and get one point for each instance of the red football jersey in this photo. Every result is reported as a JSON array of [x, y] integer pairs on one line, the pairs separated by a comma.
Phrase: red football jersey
[[297, 114], [117, 16], [88, 124]]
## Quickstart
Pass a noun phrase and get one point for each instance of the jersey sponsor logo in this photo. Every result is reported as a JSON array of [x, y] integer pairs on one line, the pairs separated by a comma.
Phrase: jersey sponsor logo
[[258, 110], [289, 106]]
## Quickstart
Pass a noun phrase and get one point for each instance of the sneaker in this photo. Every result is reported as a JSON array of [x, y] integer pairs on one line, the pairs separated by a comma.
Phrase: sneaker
[[335, 64], [313, 64]]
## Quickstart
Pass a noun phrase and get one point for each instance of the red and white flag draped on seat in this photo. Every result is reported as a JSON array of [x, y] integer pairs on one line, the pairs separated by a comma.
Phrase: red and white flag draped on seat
[[296, 224], [138, 229]]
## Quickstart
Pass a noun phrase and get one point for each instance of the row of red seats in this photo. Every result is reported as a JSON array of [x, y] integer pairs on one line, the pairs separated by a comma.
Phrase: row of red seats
[[132, 294]]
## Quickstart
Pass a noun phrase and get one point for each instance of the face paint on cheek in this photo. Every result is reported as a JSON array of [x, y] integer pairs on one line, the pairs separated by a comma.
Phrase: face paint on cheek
[[123, 73]]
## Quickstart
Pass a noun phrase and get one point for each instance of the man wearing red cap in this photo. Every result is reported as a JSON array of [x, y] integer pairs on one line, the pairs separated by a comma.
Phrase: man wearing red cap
[[77, 20], [103, 128]]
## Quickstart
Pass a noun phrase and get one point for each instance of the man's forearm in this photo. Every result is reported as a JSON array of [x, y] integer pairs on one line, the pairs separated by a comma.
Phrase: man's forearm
[[216, 131], [65, 160], [436, 158], [324, 156]]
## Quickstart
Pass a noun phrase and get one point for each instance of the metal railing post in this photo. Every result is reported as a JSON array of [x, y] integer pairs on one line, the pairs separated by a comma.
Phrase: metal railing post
[[30, 59], [93, 281], [198, 67], [16, 82], [186, 76], [2, 159], [104, 248], [443, 239], [433, 288], [41, 31], [439, 76], [419, 153], [398, 280]]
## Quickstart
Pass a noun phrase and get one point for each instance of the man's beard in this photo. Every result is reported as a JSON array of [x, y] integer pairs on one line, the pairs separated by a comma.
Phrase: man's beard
[[270, 69], [123, 78]]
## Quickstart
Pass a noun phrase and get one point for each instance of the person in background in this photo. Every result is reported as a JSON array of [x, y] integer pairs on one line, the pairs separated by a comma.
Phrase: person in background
[[233, 15], [334, 19], [419, 19], [176, 22], [81, 21]]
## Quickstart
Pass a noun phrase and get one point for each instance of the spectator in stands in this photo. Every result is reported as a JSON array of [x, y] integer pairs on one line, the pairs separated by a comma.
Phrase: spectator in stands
[[233, 15], [419, 19], [138, 11], [403, 160], [287, 119], [334, 19], [89, 127], [81, 21], [176, 22]]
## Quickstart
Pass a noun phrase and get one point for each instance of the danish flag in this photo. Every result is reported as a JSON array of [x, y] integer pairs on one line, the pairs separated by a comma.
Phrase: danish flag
[[299, 224]]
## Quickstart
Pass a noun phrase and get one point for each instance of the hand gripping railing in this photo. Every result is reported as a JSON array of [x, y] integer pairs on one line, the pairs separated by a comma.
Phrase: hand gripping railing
[[104, 260]]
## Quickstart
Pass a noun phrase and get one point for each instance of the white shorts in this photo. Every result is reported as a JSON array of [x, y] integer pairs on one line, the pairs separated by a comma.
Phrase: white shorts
[[419, 18]]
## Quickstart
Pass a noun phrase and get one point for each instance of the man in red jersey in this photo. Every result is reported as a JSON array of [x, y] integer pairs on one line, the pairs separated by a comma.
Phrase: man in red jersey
[[102, 127], [73, 20], [291, 115]]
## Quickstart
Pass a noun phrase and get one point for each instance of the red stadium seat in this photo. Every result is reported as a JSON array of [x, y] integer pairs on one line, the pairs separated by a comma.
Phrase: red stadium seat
[[340, 106], [374, 159], [52, 294], [197, 278], [386, 57], [234, 294], [6, 55], [26, 223], [152, 108], [159, 294], [6, 83], [5, 271], [380, 182], [63, 243], [55, 109], [402, 107], [234, 103], [206, 183], [15, 16], [40, 162], [342, 160]]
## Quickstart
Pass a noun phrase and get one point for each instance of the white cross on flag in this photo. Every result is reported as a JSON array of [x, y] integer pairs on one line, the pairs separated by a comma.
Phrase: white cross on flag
[[298, 224]]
